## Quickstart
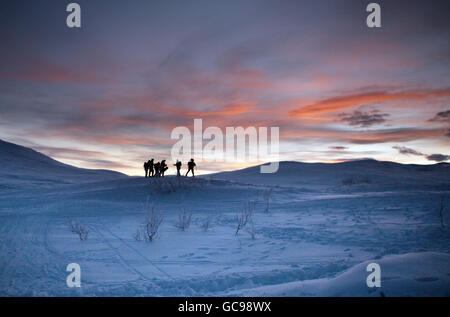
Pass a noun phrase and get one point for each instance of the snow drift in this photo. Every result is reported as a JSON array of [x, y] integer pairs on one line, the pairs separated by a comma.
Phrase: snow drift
[[413, 274]]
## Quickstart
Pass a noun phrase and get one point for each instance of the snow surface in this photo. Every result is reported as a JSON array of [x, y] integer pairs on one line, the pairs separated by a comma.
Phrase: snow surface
[[317, 239], [412, 274]]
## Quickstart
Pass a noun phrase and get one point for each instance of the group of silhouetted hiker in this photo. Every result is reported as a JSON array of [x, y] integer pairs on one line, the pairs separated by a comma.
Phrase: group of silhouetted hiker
[[158, 169]]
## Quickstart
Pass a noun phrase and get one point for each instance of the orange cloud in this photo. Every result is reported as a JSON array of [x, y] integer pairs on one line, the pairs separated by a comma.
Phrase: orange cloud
[[349, 101], [361, 137], [233, 109], [396, 135]]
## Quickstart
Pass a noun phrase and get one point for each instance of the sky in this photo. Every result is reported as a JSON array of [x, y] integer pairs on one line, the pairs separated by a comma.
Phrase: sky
[[108, 95]]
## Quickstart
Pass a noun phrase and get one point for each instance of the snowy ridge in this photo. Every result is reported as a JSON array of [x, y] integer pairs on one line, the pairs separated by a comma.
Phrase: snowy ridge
[[23, 166], [356, 175]]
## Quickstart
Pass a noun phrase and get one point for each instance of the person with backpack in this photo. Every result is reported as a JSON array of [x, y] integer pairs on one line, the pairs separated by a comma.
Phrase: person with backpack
[[157, 166], [146, 168], [191, 165], [163, 167], [151, 170], [178, 166]]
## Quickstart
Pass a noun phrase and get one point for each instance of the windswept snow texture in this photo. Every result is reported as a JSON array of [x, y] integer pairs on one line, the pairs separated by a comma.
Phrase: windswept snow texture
[[324, 224]]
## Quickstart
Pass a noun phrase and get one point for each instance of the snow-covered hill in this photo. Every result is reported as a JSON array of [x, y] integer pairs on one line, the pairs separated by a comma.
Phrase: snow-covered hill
[[352, 175], [23, 166]]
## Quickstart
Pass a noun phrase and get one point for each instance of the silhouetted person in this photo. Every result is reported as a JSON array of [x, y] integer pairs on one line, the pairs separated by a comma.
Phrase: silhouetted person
[[146, 168], [178, 166], [156, 166], [191, 166], [163, 167], [151, 170]]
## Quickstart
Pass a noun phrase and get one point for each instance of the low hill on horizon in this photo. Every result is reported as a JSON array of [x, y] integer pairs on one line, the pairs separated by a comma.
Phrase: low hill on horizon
[[351, 174], [19, 164]]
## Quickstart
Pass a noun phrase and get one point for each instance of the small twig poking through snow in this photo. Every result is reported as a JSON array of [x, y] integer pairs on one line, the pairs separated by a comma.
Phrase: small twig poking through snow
[[441, 213], [71, 226], [206, 223], [151, 224], [137, 235], [245, 216], [81, 231], [267, 195], [251, 229], [184, 220]]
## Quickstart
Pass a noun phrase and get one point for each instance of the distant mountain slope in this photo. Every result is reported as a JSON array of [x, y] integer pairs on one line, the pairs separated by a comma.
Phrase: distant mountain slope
[[352, 174], [19, 164]]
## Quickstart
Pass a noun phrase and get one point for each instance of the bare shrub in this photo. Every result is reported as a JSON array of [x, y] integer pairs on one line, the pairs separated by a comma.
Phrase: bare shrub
[[365, 180], [354, 180], [137, 235], [206, 223], [81, 231], [441, 213], [184, 220], [166, 185], [245, 216], [348, 181], [151, 224], [250, 228], [169, 185], [71, 225], [267, 195]]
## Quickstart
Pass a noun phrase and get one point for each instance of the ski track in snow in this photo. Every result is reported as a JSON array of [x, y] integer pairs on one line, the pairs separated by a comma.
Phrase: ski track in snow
[[124, 243]]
